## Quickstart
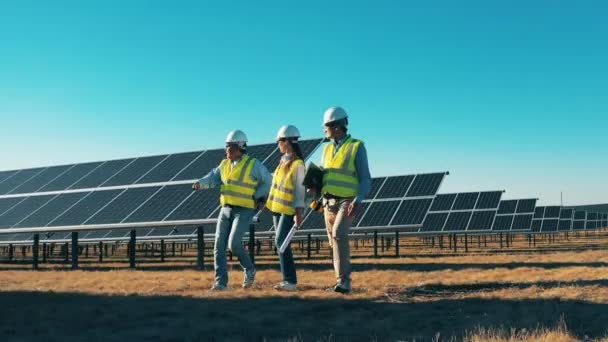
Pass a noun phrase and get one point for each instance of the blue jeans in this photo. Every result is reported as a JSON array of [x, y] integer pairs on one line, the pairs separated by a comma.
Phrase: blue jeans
[[232, 224], [283, 224]]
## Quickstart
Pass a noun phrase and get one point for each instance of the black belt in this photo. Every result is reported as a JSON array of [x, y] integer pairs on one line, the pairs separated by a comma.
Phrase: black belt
[[330, 196]]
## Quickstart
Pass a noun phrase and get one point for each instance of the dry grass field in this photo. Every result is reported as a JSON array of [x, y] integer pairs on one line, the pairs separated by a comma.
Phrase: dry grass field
[[552, 292]]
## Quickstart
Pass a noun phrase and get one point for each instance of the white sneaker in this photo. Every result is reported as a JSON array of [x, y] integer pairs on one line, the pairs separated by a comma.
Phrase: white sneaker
[[285, 286]]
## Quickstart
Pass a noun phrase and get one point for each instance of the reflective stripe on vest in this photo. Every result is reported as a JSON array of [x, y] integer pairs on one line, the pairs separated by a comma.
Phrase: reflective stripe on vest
[[238, 187], [281, 199], [340, 177]]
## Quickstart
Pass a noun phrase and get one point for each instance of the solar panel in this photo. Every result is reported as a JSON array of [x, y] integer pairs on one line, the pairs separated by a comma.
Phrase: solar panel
[[362, 211], [52, 209], [578, 224], [412, 212], [458, 221], [376, 184], [507, 207], [526, 206], [41, 179], [488, 200], [426, 184], [465, 200], [537, 225], [23, 210], [591, 225], [550, 225], [539, 212], [120, 207], [566, 213], [503, 222], [552, 211], [443, 202], [395, 187], [434, 222], [4, 175], [565, 225], [379, 214], [580, 215], [314, 220], [101, 173], [7, 203], [134, 171], [71, 176], [161, 204], [522, 222], [86, 207], [19, 178], [482, 220], [169, 167], [199, 205]]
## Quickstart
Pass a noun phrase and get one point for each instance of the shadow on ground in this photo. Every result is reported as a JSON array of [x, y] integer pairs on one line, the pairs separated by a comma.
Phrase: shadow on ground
[[70, 317]]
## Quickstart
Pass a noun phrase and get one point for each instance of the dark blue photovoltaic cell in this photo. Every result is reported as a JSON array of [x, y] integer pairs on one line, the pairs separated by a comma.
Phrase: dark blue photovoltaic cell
[[526, 206], [376, 183], [262, 152], [18, 179], [22, 210], [315, 220], [503, 223], [457, 221], [161, 204], [507, 207], [85, 208], [134, 171], [537, 225], [52, 209], [200, 167], [565, 225], [434, 222], [482, 220], [591, 225], [426, 184], [4, 175], [522, 222], [122, 206], [550, 225], [360, 212], [566, 213], [552, 212], [591, 216], [539, 212], [488, 200], [580, 215], [379, 214], [198, 206], [118, 233], [412, 212], [101, 173], [465, 201], [580, 224], [169, 167], [443, 202], [40, 179], [8, 203], [70, 177], [395, 187]]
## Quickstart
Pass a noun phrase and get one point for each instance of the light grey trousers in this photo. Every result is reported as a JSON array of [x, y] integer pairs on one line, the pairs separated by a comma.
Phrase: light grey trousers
[[338, 225]]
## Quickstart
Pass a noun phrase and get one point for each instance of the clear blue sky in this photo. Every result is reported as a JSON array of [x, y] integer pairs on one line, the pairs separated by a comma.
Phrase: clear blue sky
[[505, 95]]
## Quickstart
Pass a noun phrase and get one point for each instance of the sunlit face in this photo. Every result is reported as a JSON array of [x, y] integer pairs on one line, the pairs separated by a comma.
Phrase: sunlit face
[[282, 142], [233, 152], [330, 130]]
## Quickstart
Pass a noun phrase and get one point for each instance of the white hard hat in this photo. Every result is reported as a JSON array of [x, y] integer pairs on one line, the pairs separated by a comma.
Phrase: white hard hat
[[237, 137], [334, 114], [288, 131]]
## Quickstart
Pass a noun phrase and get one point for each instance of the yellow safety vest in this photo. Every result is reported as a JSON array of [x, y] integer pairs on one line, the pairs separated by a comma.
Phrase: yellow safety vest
[[282, 193], [340, 177], [237, 185]]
